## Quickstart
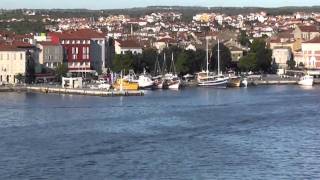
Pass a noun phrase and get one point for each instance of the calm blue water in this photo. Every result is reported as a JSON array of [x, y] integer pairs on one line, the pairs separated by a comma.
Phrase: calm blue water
[[256, 133]]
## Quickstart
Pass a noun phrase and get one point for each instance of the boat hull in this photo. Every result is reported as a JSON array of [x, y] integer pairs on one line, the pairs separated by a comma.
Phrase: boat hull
[[234, 82], [216, 83]]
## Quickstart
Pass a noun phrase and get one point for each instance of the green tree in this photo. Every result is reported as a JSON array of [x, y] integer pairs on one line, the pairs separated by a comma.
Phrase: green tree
[[61, 71], [243, 39], [182, 64], [248, 62], [263, 55], [225, 57], [123, 62], [19, 77], [149, 56], [291, 63]]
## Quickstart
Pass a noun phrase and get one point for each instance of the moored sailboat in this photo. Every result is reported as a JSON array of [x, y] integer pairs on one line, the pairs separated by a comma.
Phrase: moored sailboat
[[210, 79]]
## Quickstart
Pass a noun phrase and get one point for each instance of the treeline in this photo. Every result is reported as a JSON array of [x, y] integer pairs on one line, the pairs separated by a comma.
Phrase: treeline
[[186, 61], [258, 59]]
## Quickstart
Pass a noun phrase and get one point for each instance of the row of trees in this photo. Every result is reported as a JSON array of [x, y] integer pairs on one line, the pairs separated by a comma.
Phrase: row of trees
[[186, 61], [259, 58]]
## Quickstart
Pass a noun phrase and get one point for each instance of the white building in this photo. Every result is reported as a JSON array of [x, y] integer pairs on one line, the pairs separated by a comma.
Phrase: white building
[[281, 55], [311, 53], [121, 47], [13, 61]]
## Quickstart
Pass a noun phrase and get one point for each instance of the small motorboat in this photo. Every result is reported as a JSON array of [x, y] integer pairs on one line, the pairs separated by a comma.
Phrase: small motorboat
[[306, 80]]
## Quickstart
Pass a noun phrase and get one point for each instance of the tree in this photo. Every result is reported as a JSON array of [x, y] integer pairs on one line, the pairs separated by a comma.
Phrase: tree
[[19, 77], [291, 63], [123, 62], [243, 38], [225, 57], [148, 59], [61, 71], [182, 65], [263, 55], [248, 62]]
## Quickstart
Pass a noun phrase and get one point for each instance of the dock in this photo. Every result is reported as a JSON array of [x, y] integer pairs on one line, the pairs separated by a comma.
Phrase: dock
[[59, 90], [272, 82], [88, 92]]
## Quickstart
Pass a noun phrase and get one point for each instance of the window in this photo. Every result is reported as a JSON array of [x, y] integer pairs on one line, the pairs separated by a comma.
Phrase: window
[[21, 56], [7, 56], [62, 42], [73, 41], [68, 42], [78, 41]]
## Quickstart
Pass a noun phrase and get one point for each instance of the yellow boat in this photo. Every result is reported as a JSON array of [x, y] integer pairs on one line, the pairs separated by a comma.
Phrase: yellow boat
[[126, 85]]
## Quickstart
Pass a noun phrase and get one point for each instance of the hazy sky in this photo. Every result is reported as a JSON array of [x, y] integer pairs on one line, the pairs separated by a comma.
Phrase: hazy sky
[[110, 4]]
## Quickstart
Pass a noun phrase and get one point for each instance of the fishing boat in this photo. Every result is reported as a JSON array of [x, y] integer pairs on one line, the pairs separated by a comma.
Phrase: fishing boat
[[144, 80], [306, 80], [207, 78], [123, 84]]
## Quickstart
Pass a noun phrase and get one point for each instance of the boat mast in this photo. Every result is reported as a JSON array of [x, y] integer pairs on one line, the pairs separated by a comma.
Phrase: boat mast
[[172, 66], [207, 56], [218, 57], [164, 66]]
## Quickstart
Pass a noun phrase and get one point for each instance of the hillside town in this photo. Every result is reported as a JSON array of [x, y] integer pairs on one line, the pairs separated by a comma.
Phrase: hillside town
[[91, 46]]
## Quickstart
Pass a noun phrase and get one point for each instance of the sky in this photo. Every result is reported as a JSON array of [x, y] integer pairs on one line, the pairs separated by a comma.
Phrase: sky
[[112, 4]]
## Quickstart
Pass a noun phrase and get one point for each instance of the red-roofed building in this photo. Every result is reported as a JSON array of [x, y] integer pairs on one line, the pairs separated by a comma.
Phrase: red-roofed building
[[84, 50], [123, 46], [306, 33]]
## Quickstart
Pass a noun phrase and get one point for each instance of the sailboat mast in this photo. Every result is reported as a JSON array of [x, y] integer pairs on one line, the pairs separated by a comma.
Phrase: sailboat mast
[[164, 66], [207, 55], [218, 57]]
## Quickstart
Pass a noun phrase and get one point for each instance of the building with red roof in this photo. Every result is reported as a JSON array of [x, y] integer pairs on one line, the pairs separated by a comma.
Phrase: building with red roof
[[84, 49]]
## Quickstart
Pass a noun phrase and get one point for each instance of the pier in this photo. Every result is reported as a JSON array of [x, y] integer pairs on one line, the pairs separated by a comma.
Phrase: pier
[[58, 90]]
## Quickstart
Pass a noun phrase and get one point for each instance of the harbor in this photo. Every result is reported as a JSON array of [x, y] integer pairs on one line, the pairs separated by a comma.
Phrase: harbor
[[239, 130]]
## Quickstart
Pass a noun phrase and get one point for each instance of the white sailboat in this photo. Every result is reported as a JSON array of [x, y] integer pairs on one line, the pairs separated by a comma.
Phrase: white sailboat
[[157, 78], [171, 79], [210, 79], [306, 80]]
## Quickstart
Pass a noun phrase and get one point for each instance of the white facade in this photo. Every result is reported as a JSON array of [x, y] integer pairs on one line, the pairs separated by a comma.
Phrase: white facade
[[12, 63], [281, 56], [311, 54]]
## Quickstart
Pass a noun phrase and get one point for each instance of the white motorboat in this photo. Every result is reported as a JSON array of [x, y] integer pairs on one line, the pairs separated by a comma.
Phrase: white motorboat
[[306, 80], [145, 81], [104, 86]]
